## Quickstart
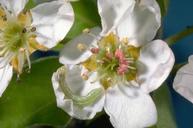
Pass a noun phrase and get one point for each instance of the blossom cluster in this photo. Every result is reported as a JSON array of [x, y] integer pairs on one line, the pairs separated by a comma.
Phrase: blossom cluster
[[113, 67]]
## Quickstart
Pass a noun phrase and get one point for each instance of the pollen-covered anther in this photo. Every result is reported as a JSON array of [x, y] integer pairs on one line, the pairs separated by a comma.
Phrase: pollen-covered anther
[[81, 47], [22, 49], [109, 55], [84, 76], [4, 18], [125, 41], [95, 50], [86, 30], [109, 80], [24, 30], [33, 29], [100, 62]]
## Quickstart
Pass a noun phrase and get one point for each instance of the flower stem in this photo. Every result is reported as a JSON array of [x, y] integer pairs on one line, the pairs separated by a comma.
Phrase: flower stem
[[179, 36]]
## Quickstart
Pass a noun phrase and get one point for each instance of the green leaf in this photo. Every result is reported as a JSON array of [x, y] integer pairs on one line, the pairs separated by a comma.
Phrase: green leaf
[[31, 100], [30, 4], [86, 16], [164, 4], [163, 104]]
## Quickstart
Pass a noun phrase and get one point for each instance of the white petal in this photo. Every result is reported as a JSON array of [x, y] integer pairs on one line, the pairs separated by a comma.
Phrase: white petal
[[5, 77], [183, 82], [130, 112], [15, 6], [79, 87], [141, 25], [155, 63], [52, 20], [112, 12], [72, 55]]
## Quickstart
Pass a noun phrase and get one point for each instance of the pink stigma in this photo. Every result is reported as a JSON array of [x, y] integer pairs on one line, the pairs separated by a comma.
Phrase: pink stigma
[[119, 54], [123, 64]]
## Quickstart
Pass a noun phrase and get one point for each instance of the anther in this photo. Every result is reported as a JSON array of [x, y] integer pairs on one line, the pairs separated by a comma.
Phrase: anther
[[109, 79], [84, 76], [100, 62], [4, 18], [94, 50], [81, 47], [24, 30], [109, 55], [33, 29], [22, 49], [86, 30], [125, 41]]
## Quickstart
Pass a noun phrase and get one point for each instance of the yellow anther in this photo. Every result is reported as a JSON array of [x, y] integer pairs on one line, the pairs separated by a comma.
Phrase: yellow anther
[[82, 47], [22, 49], [84, 76], [109, 79], [86, 30], [125, 41]]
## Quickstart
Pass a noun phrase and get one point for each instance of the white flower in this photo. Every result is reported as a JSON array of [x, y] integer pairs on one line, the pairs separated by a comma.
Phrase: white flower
[[183, 82], [115, 68], [22, 32]]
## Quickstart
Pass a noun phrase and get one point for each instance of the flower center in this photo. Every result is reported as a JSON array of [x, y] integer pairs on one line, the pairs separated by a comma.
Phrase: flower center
[[14, 36], [114, 60], [17, 38]]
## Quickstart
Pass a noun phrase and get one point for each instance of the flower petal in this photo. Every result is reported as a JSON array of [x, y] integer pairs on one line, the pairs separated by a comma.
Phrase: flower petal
[[52, 20], [72, 55], [80, 88], [130, 112], [141, 25], [155, 63], [15, 6], [184, 80], [112, 12], [5, 77]]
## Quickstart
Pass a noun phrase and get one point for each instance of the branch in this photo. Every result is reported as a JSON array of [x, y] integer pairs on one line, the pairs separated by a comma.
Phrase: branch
[[179, 36]]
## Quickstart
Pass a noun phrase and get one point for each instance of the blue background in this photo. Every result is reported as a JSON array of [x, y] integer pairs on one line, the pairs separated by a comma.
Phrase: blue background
[[180, 15]]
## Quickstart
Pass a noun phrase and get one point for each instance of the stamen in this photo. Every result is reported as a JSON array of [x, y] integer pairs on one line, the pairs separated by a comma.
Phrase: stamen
[[4, 18], [85, 75], [125, 41], [28, 59], [2, 52], [22, 49], [33, 29], [95, 50], [100, 62], [129, 58], [86, 30], [130, 67], [24, 30], [82, 47]]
